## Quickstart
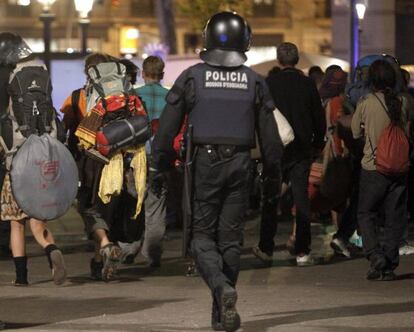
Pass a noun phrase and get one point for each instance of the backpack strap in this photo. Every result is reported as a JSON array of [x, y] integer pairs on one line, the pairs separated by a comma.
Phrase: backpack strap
[[75, 105], [98, 74], [118, 66], [369, 139], [383, 106]]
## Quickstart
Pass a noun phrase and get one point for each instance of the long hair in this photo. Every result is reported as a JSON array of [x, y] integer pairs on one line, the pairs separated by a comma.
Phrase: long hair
[[382, 77]]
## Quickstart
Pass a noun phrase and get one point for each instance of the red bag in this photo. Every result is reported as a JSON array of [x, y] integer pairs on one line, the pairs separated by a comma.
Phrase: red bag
[[315, 177], [392, 154]]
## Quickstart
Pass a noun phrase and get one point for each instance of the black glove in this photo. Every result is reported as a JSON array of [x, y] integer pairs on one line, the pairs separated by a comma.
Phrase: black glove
[[156, 181]]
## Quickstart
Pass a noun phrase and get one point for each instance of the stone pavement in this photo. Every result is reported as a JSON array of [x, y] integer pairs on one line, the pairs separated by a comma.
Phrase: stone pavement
[[333, 296]]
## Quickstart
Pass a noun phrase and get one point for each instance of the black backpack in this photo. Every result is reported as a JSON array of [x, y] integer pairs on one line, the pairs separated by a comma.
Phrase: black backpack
[[31, 109]]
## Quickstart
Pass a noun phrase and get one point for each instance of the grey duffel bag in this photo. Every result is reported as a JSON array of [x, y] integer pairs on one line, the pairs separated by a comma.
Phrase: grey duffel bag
[[44, 177]]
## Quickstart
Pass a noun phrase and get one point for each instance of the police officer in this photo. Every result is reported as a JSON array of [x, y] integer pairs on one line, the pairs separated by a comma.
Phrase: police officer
[[225, 102]]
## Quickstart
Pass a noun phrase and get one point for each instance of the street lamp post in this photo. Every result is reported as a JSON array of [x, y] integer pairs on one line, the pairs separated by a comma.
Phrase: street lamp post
[[83, 7], [47, 18], [358, 8]]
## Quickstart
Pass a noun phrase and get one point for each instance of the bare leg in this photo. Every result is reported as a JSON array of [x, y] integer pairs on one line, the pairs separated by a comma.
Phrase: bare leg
[[101, 240], [18, 247], [96, 265], [17, 240], [45, 239], [42, 235], [101, 237]]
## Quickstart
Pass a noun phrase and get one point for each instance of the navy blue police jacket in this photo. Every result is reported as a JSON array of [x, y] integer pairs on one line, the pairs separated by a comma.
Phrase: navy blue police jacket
[[226, 106]]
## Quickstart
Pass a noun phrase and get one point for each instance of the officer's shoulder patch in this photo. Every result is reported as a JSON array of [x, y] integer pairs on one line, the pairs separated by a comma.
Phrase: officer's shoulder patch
[[225, 79]]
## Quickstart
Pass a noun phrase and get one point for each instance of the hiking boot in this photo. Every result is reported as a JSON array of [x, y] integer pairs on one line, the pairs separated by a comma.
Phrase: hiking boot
[[96, 269], [111, 259], [58, 267], [340, 247], [230, 318], [264, 257], [304, 260], [406, 250], [192, 270]]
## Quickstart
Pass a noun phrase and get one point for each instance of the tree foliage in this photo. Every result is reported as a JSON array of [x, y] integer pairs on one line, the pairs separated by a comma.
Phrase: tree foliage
[[199, 11]]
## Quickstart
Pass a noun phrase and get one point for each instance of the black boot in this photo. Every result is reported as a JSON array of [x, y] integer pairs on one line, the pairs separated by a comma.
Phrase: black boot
[[378, 264], [216, 323], [21, 271]]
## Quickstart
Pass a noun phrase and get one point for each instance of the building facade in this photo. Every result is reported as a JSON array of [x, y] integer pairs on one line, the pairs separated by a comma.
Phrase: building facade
[[386, 28], [304, 22]]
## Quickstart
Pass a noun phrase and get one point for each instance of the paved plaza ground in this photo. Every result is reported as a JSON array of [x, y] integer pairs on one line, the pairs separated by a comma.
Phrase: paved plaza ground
[[332, 296]]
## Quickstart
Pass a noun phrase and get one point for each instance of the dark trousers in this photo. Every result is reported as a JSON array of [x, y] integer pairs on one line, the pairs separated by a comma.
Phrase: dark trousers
[[298, 175], [220, 198], [119, 214], [379, 192], [349, 222]]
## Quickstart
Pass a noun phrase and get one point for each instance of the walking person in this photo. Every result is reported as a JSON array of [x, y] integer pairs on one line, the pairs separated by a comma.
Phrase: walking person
[[379, 118], [126, 228], [153, 95], [74, 110], [297, 98], [14, 52], [214, 94], [333, 98]]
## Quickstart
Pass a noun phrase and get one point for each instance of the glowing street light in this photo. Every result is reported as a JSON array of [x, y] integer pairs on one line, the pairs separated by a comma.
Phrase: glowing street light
[[46, 4], [360, 9], [83, 7], [23, 2]]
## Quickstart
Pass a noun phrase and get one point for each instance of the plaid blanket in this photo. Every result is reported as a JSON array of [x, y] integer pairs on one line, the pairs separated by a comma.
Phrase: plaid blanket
[[94, 119]]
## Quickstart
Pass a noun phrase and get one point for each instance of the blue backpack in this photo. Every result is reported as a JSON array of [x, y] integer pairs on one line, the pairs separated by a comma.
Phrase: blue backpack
[[360, 86]]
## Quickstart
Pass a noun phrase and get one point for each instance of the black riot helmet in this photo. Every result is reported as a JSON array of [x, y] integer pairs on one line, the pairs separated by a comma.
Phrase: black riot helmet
[[12, 49], [226, 37]]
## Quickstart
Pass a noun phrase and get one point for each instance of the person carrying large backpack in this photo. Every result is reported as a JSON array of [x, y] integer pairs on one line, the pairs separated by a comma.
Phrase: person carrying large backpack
[[112, 135], [379, 118], [74, 110], [29, 129]]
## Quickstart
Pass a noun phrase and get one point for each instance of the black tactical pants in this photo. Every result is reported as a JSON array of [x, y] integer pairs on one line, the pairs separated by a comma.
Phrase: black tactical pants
[[219, 204]]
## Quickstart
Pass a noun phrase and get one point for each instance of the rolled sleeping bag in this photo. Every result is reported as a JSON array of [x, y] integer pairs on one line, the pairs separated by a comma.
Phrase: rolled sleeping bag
[[122, 133]]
